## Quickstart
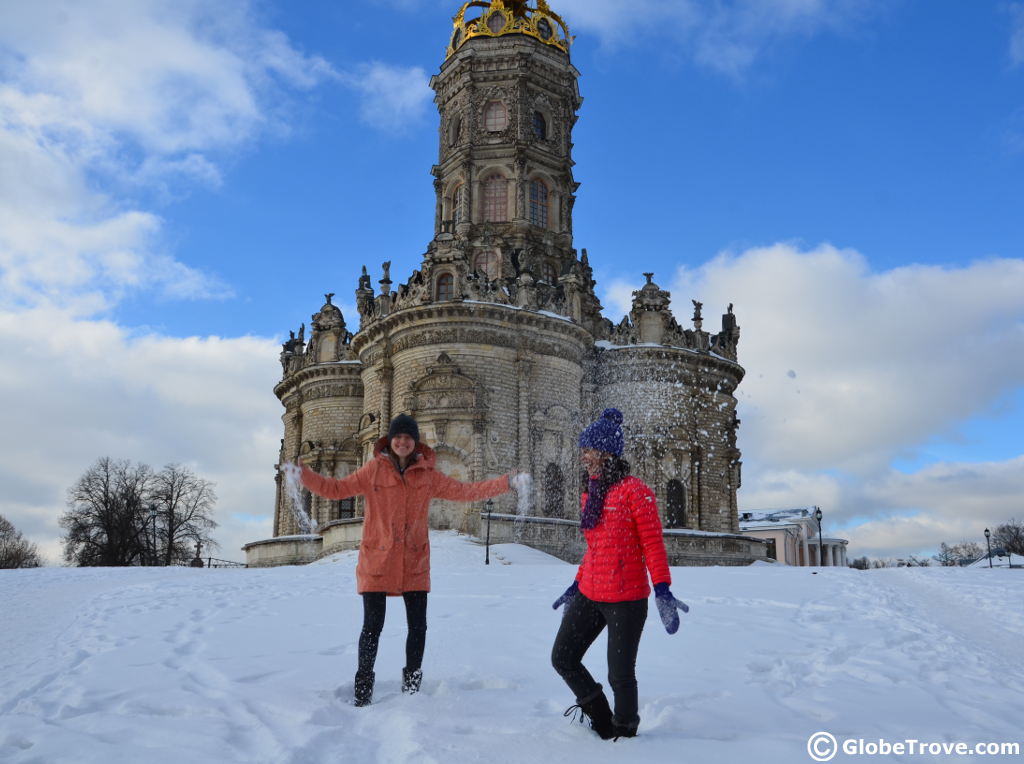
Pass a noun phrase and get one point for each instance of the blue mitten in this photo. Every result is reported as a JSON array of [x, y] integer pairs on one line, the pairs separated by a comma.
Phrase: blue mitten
[[667, 606], [566, 596]]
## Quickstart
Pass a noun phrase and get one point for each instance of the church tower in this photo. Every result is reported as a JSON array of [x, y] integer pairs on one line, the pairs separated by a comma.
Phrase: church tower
[[507, 98]]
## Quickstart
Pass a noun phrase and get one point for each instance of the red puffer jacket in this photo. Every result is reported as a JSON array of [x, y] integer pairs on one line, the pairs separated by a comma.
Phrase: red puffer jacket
[[625, 544]]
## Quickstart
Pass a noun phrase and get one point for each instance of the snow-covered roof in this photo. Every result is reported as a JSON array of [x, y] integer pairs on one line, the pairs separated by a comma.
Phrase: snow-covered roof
[[769, 516]]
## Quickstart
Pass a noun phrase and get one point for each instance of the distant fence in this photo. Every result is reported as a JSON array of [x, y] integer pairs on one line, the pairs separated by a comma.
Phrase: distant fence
[[213, 562]]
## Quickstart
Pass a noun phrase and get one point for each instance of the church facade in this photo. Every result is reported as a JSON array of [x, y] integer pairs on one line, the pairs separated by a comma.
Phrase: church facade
[[496, 343]]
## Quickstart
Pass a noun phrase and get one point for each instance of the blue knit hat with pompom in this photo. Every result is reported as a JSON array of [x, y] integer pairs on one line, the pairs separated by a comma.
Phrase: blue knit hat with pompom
[[605, 434]]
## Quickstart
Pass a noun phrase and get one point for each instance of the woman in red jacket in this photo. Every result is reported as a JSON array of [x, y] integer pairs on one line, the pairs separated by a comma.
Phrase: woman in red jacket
[[394, 555], [624, 542]]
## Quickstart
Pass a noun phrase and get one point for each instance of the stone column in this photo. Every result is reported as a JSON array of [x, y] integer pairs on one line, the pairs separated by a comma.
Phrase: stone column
[[278, 499], [385, 376], [807, 553]]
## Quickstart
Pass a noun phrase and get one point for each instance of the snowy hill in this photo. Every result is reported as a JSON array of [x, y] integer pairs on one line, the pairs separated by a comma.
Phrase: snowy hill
[[182, 665]]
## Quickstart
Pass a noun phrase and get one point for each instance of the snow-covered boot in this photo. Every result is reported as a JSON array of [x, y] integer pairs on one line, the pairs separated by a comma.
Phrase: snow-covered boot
[[595, 707], [364, 688], [411, 679]]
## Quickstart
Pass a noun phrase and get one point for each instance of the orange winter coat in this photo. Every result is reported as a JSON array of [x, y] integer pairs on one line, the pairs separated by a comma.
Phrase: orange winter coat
[[394, 556], [624, 545]]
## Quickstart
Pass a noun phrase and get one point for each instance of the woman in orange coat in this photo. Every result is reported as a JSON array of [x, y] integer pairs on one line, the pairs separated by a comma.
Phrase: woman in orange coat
[[620, 522], [394, 557]]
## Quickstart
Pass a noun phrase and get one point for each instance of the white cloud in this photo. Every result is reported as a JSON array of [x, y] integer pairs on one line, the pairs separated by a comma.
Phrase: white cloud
[[95, 95], [849, 369], [616, 23], [726, 36], [943, 502], [887, 359], [1016, 11], [80, 390], [392, 97]]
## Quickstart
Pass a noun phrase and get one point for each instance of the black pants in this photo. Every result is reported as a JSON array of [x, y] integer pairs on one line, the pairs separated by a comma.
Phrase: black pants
[[374, 608], [582, 622]]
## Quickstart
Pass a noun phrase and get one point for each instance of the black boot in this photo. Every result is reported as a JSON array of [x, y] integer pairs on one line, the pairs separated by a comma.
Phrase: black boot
[[411, 679], [364, 688], [624, 729], [595, 707]]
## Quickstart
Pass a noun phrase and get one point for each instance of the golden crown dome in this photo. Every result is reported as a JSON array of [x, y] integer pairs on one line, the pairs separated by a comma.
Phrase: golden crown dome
[[502, 17]]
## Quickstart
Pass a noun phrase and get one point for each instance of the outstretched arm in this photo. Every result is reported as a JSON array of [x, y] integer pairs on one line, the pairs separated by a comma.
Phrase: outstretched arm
[[447, 488], [331, 488]]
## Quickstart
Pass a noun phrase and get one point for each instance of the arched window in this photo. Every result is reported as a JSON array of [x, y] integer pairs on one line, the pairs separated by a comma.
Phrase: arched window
[[495, 117], [495, 199], [548, 272], [445, 287], [554, 491], [538, 203], [540, 126], [455, 131], [458, 204], [486, 264], [675, 506]]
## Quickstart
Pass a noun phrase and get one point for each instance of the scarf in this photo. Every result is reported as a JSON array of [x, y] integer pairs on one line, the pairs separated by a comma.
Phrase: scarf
[[597, 489]]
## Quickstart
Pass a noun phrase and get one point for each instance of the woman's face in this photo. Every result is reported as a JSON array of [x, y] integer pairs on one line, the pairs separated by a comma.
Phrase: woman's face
[[592, 460], [402, 445]]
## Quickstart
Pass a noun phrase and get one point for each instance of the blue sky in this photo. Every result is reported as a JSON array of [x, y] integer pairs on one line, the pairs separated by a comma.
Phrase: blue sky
[[184, 180]]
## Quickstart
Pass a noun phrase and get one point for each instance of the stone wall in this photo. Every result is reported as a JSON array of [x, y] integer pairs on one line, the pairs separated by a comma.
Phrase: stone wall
[[564, 540], [286, 550], [341, 536]]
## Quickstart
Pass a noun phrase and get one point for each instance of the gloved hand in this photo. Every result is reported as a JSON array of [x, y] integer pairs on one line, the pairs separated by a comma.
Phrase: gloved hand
[[667, 605], [567, 595]]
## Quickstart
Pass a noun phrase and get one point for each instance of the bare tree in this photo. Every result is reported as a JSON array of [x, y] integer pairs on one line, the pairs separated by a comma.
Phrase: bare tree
[[184, 504], [105, 521], [125, 514], [16, 551], [963, 553], [1010, 537]]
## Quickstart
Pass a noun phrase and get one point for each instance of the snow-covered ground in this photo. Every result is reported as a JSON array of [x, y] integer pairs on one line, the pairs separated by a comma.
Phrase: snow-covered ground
[[181, 665]]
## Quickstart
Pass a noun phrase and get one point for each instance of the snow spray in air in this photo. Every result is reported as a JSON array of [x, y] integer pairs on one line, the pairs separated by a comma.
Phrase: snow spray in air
[[293, 483], [523, 484]]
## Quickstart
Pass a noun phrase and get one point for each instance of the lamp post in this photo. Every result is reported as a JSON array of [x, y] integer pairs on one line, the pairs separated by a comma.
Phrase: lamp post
[[988, 542], [487, 543], [821, 558]]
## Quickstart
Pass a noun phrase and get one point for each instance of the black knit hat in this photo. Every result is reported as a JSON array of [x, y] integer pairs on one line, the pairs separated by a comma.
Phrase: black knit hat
[[403, 424]]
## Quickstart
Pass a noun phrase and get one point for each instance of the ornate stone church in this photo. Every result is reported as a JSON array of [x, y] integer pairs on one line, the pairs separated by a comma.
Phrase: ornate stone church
[[496, 343]]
